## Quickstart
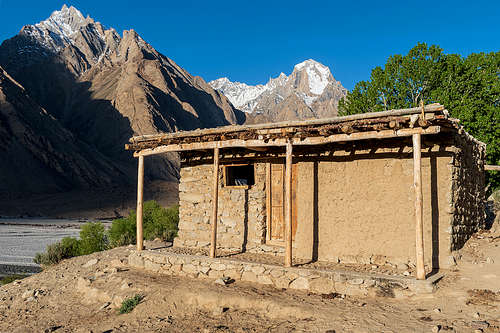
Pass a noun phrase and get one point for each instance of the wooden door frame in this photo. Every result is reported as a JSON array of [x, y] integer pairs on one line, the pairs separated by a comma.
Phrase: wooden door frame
[[269, 240]]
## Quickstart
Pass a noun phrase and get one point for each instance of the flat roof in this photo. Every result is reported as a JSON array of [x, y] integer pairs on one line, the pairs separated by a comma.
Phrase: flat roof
[[392, 123]]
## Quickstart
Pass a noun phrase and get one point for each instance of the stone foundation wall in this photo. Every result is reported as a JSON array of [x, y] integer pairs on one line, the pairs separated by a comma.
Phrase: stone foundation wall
[[468, 189], [317, 281]]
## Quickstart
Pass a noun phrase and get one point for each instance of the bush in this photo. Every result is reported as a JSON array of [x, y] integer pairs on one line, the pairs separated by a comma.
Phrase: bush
[[122, 231], [68, 247], [93, 238], [158, 222], [11, 278], [130, 303]]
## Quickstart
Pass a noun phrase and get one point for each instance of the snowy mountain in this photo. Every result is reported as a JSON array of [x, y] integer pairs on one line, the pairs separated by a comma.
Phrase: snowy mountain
[[310, 91], [103, 88]]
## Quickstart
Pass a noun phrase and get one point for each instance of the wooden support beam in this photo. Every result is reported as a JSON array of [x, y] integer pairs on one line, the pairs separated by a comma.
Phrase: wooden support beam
[[288, 205], [261, 128], [492, 167], [140, 195], [215, 201], [417, 183], [294, 141]]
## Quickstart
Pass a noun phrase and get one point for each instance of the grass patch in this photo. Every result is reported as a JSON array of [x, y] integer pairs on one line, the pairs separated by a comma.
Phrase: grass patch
[[12, 278], [130, 303]]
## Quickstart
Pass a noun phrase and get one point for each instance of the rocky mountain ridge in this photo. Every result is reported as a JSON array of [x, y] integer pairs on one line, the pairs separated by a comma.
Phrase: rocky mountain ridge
[[310, 91], [103, 88]]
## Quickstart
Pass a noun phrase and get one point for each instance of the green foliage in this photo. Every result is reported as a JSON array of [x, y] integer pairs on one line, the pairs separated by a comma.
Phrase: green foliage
[[468, 87], [122, 231], [130, 303], [93, 238], [158, 222], [11, 278], [68, 247]]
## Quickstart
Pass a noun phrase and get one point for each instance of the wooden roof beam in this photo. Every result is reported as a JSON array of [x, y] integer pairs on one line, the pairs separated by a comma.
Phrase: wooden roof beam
[[281, 142]]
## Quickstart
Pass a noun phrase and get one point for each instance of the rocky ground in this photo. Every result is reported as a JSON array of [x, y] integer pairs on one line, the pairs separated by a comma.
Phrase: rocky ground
[[83, 294]]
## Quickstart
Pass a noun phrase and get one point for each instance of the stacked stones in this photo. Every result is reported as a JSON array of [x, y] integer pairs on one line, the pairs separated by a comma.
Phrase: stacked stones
[[241, 217], [318, 281], [468, 208]]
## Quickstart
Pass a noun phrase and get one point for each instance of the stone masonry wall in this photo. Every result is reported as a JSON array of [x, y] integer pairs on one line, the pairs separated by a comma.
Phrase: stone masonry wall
[[318, 281], [468, 189], [241, 211]]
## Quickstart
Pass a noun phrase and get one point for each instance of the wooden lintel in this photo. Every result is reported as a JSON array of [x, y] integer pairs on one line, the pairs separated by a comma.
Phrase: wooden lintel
[[240, 143]]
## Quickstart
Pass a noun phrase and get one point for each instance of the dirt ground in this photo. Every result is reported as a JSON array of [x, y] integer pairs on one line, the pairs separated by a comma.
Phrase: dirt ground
[[83, 294]]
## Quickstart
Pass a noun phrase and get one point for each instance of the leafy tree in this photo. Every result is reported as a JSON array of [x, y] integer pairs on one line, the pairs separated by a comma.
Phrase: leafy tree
[[468, 87]]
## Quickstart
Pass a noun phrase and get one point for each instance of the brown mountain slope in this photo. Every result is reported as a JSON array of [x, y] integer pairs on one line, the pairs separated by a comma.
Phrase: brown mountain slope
[[105, 88], [37, 154]]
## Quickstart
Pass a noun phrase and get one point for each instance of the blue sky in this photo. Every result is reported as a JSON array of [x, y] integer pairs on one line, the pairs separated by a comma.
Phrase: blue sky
[[249, 41]]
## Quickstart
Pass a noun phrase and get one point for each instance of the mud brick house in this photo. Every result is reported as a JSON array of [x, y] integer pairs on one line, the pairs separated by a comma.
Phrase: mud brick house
[[400, 186]]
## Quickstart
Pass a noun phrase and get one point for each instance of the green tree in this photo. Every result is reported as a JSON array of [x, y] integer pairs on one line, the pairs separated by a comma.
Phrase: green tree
[[469, 88]]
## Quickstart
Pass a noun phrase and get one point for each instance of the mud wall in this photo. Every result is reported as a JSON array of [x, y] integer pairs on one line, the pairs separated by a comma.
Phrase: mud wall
[[354, 206], [360, 208]]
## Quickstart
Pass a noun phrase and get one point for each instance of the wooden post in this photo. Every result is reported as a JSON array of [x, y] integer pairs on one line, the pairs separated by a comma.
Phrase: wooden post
[[417, 183], [140, 194], [215, 199], [288, 205]]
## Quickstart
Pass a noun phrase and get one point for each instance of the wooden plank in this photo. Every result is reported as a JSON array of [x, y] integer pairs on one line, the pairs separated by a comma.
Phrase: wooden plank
[[492, 167], [140, 197], [295, 141], [277, 230], [417, 183], [298, 123], [215, 201], [288, 205], [268, 201]]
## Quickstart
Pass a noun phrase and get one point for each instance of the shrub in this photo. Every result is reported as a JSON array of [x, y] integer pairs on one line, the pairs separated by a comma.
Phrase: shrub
[[11, 278], [130, 303], [93, 238], [158, 222], [122, 231], [66, 248]]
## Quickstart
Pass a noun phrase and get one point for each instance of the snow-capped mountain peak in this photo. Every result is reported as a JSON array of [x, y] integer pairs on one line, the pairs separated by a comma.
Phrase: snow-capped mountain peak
[[64, 22], [318, 75], [62, 29], [309, 81]]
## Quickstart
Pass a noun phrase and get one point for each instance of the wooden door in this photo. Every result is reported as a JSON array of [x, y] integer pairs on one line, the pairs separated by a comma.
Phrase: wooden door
[[275, 185]]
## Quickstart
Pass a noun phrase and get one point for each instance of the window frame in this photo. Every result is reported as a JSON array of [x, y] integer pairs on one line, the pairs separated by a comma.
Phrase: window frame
[[224, 175]]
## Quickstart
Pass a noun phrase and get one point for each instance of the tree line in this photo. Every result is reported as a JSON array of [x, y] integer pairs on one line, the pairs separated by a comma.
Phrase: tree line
[[469, 87]]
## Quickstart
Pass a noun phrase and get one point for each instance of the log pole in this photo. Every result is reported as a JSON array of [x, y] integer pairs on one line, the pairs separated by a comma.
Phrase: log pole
[[215, 200], [140, 195], [288, 205], [417, 183]]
